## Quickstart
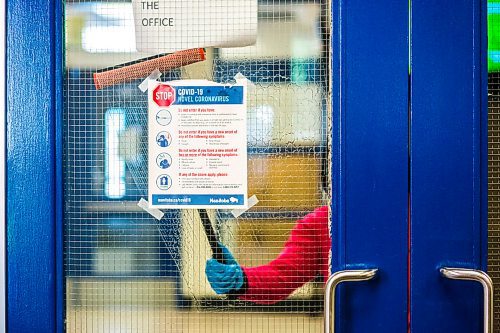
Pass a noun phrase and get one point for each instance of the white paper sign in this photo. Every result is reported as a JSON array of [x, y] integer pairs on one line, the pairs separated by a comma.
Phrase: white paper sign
[[197, 149], [173, 25]]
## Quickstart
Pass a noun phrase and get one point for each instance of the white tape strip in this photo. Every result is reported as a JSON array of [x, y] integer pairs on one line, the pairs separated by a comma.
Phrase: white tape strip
[[252, 201], [155, 212], [155, 75], [240, 78]]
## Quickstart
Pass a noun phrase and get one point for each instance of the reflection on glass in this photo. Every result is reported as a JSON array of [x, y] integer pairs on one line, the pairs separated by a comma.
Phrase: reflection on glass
[[114, 164]]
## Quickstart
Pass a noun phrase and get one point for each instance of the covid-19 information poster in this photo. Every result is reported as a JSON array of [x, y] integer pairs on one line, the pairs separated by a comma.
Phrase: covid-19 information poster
[[197, 145]]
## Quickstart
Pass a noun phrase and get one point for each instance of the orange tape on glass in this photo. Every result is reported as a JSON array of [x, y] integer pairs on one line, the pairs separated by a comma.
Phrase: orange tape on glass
[[143, 67]]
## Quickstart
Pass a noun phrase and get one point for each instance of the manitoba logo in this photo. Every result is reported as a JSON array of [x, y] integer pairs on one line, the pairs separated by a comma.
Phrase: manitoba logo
[[164, 95]]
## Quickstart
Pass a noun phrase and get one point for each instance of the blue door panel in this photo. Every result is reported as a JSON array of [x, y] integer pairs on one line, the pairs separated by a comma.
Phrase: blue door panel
[[370, 162], [448, 176]]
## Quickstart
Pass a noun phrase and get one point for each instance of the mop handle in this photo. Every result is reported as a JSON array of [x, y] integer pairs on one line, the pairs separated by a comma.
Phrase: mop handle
[[213, 240]]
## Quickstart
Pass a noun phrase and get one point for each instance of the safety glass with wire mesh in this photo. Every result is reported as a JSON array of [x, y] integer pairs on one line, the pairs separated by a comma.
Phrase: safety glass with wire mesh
[[494, 152], [128, 271]]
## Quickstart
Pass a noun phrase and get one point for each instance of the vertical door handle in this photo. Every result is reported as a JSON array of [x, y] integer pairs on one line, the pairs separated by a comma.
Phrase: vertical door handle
[[485, 280], [332, 283]]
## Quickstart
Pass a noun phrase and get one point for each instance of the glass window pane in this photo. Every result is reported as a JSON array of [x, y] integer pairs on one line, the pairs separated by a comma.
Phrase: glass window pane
[[127, 271]]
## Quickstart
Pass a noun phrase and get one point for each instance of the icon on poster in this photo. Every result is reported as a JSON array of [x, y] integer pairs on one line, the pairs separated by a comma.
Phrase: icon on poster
[[163, 117], [164, 160], [164, 182], [163, 139]]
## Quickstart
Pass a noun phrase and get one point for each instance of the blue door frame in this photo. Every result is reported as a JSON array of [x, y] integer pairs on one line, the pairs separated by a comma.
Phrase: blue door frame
[[33, 171], [373, 169]]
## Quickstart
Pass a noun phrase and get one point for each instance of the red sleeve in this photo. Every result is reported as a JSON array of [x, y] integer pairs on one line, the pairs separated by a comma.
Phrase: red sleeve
[[300, 261]]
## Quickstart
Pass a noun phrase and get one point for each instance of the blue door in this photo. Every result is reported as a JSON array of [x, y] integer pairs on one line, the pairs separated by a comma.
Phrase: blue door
[[412, 104], [448, 154], [370, 158], [408, 164]]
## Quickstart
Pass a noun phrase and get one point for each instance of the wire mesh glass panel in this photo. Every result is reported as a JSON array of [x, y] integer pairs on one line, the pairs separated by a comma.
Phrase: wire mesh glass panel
[[494, 187], [125, 270], [494, 152]]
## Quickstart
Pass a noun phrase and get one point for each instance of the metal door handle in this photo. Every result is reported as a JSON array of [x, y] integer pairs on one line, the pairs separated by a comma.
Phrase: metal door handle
[[332, 283], [485, 280]]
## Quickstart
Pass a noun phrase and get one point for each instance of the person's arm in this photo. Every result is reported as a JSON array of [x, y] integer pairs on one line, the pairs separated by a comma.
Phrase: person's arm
[[299, 262]]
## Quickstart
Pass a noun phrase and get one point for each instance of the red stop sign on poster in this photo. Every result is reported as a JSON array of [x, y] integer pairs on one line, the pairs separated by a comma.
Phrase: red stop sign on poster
[[164, 95]]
